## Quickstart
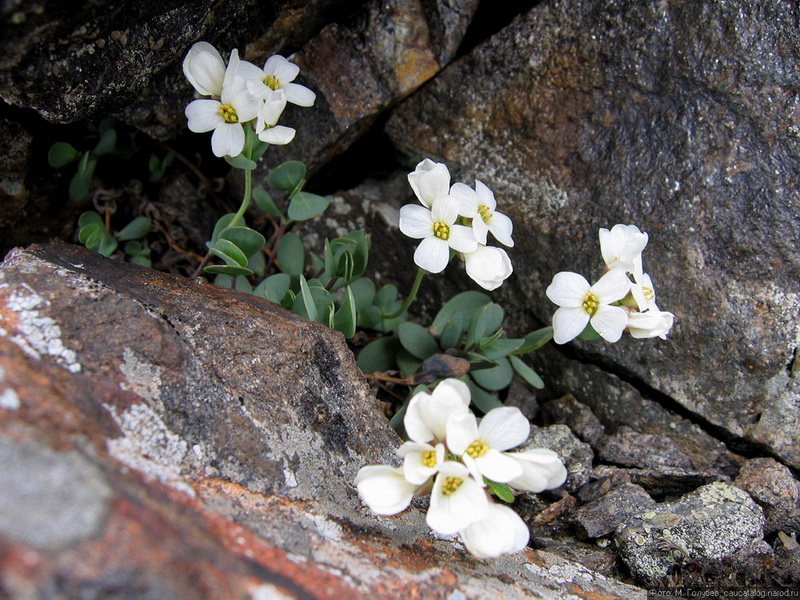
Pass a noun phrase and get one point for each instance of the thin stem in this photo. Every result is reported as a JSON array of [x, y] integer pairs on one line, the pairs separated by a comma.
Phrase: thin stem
[[412, 295], [248, 185], [273, 255]]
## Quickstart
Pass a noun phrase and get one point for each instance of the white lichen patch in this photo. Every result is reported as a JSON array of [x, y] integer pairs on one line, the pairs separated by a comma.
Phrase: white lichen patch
[[149, 447], [37, 334], [565, 573], [267, 591], [9, 400], [328, 529], [141, 378]]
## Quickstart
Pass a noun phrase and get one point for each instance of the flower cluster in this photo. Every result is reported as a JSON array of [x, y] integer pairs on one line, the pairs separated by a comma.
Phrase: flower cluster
[[457, 218], [459, 460], [623, 299], [241, 95]]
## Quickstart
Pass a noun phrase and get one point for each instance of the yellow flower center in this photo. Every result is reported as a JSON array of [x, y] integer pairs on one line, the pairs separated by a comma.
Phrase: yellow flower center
[[272, 82], [451, 484], [228, 113], [649, 293], [485, 213], [441, 230], [477, 449], [590, 303], [429, 458]]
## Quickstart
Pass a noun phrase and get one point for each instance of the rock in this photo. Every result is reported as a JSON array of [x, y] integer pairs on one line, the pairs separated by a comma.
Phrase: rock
[[633, 449], [169, 439], [771, 485], [714, 523], [660, 482], [602, 516], [592, 113], [576, 455], [599, 559], [579, 417]]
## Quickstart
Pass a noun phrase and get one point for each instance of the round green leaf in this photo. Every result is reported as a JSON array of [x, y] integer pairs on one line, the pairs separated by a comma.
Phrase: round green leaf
[[526, 372], [249, 241], [535, 340], [344, 319], [304, 206], [453, 331], [61, 154], [221, 224], [88, 218], [79, 186], [88, 231], [274, 287], [501, 347], [364, 293], [495, 378], [265, 202], [107, 244], [135, 230], [106, 144], [291, 254], [227, 270], [416, 339], [481, 399], [229, 252], [142, 261], [465, 301], [241, 162], [379, 355], [485, 321], [287, 176], [407, 362]]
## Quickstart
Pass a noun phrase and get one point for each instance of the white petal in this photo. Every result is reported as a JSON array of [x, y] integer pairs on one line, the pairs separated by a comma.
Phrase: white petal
[[450, 514], [488, 266], [227, 140], [444, 209], [542, 470], [427, 414], [271, 110], [612, 286], [462, 430], [501, 532], [278, 135], [432, 254], [299, 94], [416, 221], [205, 69], [502, 227], [203, 115], [414, 469], [653, 323], [462, 239], [245, 105], [384, 489], [622, 246], [231, 70], [567, 289], [497, 466], [480, 229], [249, 72], [504, 427], [485, 195], [429, 181], [468, 198], [610, 321], [568, 323], [281, 68], [454, 392]]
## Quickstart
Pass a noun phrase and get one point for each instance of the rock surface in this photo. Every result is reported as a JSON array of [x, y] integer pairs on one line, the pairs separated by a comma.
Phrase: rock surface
[[597, 112], [220, 433], [771, 485]]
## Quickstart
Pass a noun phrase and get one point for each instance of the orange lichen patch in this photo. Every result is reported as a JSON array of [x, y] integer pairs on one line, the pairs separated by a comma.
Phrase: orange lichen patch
[[589, 594], [415, 67]]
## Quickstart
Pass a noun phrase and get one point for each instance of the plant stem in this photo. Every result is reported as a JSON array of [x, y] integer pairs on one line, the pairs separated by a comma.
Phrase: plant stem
[[412, 295], [248, 185]]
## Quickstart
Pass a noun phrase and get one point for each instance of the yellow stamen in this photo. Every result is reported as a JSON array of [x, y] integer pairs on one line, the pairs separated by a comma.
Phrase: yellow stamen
[[441, 230], [429, 458], [485, 213], [477, 449], [591, 304], [451, 484], [228, 113], [649, 293], [272, 82]]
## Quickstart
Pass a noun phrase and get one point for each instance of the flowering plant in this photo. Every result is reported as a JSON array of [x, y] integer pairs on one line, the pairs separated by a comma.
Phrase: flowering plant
[[463, 465]]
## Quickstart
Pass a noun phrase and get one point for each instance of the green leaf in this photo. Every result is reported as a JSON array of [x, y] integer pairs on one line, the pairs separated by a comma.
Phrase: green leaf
[[386, 298], [224, 280], [135, 230], [526, 372], [501, 490], [307, 301], [495, 378], [61, 154], [481, 399], [221, 224], [90, 217], [291, 254], [241, 162], [453, 332], [361, 251], [86, 166], [368, 318], [344, 319], [107, 244], [243, 285], [287, 176], [485, 321], [407, 362], [364, 292], [304, 206], [93, 237], [265, 202], [257, 263], [416, 339], [535, 340], [589, 333], [229, 252], [465, 301], [274, 287], [344, 268], [249, 241], [142, 261], [79, 186], [232, 270], [379, 355], [106, 144], [501, 347]]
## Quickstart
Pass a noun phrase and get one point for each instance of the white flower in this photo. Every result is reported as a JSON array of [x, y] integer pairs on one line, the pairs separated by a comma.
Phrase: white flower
[[427, 414], [581, 304], [542, 469], [643, 292], [622, 247], [653, 323], [384, 489], [488, 266], [479, 205], [224, 117], [457, 500], [501, 532], [437, 230], [267, 118], [482, 447], [420, 461], [277, 74], [205, 69], [429, 181]]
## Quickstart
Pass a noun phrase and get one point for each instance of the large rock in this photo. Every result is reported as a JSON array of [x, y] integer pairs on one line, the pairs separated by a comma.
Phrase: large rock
[[166, 439], [583, 114]]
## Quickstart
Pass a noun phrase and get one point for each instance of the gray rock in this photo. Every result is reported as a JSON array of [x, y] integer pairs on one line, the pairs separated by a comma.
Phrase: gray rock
[[633, 449], [592, 113], [659, 483], [579, 417], [602, 516], [714, 523], [771, 485], [576, 455]]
